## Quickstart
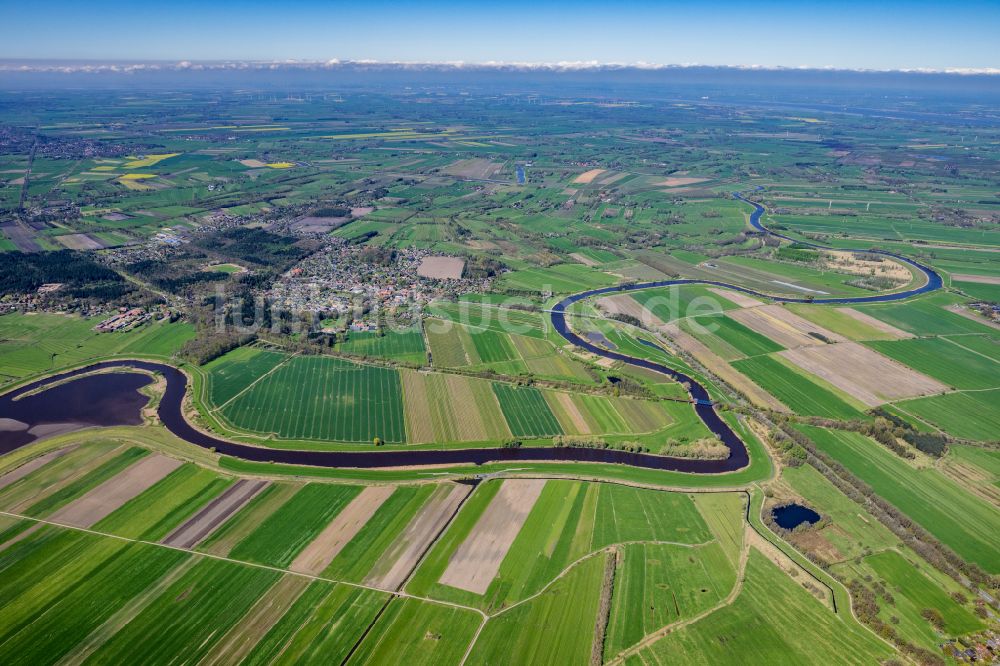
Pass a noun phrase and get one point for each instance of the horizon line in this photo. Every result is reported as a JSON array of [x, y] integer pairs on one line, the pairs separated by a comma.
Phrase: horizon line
[[132, 66]]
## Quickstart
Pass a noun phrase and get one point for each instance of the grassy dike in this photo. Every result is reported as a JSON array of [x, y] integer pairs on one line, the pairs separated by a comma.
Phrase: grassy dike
[[158, 438]]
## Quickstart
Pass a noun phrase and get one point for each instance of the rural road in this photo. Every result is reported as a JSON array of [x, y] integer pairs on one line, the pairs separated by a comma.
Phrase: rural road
[[171, 413]]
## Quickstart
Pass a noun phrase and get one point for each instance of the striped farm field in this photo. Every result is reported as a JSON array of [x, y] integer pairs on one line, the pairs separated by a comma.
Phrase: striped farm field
[[312, 397], [450, 408], [581, 414], [323, 624], [544, 360], [357, 558], [230, 374], [943, 507], [627, 514], [526, 411], [926, 316], [54, 473], [190, 616], [566, 610], [78, 486], [151, 515], [642, 415], [414, 632], [729, 338], [241, 524], [659, 584], [571, 414], [492, 346], [85, 579], [772, 620], [279, 538], [500, 319], [794, 390], [451, 346]]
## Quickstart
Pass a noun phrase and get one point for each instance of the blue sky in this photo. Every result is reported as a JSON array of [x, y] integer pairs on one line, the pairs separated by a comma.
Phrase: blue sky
[[850, 34]]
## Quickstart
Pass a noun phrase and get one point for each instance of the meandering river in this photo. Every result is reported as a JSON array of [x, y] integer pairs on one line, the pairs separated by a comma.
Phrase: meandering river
[[113, 398]]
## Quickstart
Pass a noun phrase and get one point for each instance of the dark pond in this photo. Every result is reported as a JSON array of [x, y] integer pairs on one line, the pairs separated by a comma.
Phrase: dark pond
[[792, 515], [95, 400]]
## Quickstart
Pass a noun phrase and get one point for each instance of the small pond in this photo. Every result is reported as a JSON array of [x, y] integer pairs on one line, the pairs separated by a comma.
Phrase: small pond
[[792, 515]]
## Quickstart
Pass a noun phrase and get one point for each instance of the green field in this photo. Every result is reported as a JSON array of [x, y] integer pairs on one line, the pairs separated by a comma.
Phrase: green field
[[793, 389], [323, 398], [401, 345], [944, 359], [35, 343], [561, 279], [324, 623], [845, 542], [492, 346], [926, 316], [953, 413], [526, 411], [279, 538], [231, 374], [419, 633], [35, 605], [912, 591], [567, 610], [660, 584], [939, 505], [185, 621], [773, 620], [634, 514]]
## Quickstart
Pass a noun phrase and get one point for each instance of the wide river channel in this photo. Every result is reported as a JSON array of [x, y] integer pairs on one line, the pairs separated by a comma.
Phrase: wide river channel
[[112, 398]]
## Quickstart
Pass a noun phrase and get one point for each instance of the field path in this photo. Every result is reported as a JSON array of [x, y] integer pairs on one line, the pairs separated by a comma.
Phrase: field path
[[124, 615], [730, 598]]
